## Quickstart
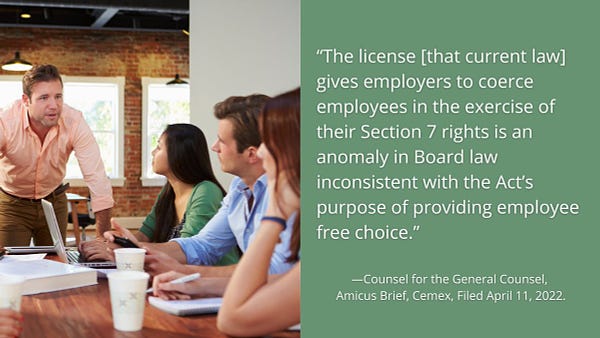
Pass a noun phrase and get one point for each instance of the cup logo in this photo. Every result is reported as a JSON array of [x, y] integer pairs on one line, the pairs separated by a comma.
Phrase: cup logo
[[128, 302], [12, 303]]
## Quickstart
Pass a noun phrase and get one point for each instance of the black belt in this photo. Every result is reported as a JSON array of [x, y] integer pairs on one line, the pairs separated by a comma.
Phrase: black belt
[[61, 189]]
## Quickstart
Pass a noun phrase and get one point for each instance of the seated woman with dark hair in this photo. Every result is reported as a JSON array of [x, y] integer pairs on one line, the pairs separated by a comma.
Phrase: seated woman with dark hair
[[189, 199]]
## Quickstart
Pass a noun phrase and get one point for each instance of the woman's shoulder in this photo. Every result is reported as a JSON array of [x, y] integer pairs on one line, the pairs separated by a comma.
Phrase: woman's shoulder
[[207, 187], [206, 194]]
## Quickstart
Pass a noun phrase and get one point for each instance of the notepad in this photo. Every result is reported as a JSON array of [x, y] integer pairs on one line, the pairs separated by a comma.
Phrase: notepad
[[187, 307], [194, 307]]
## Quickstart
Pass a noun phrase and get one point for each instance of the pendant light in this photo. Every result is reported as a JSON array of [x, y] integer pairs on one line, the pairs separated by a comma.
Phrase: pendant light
[[17, 64], [177, 81]]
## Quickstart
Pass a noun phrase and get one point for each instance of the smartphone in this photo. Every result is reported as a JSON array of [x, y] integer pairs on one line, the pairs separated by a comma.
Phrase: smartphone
[[124, 242]]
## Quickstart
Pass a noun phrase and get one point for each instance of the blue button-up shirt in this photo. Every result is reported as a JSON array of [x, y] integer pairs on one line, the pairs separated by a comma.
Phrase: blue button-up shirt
[[234, 224]]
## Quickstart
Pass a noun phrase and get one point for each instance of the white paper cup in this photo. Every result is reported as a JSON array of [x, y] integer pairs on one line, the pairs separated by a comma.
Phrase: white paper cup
[[11, 289], [130, 259], [128, 299]]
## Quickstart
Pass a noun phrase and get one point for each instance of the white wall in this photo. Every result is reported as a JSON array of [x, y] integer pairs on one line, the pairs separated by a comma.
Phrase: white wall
[[240, 47]]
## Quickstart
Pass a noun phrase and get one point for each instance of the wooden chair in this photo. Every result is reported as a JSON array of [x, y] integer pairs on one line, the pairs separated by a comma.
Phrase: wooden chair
[[83, 220]]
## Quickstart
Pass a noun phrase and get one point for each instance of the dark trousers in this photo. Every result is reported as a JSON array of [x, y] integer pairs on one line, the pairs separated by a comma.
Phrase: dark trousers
[[21, 220]]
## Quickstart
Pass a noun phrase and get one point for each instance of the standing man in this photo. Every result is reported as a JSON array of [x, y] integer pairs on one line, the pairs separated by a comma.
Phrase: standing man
[[37, 135]]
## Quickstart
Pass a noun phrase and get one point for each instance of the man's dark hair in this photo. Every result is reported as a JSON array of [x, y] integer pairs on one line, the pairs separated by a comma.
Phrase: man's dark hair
[[40, 73], [243, 112]]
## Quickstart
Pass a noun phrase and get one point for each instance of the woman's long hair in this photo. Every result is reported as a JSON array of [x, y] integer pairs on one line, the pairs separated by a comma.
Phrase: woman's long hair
[[280, 131], [187, 152]]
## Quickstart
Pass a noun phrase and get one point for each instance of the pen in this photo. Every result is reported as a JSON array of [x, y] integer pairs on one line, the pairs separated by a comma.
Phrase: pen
[[181, 280]]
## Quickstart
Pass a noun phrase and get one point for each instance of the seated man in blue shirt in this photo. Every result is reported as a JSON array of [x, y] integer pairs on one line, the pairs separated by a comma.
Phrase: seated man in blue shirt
[[241, 211]]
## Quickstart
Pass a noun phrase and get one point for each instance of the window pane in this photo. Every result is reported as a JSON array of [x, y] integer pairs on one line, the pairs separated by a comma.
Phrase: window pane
[[166, 105], [9, 92], [99, 104]]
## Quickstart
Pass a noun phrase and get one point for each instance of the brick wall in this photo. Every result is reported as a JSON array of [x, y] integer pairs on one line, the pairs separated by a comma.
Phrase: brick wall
[[108, 53]]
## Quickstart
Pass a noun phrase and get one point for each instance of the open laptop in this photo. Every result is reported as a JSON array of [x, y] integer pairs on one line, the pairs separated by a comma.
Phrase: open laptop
[[71, 256]]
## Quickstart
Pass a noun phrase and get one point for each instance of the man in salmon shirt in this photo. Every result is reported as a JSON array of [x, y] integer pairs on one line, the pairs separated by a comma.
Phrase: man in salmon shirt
[[37, 135]]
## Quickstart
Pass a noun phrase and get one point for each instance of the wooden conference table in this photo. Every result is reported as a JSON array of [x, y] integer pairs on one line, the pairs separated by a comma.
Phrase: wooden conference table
[[86, 312]]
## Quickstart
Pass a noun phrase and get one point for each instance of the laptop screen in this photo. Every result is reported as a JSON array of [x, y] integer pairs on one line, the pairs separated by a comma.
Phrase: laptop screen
[[54, 230]]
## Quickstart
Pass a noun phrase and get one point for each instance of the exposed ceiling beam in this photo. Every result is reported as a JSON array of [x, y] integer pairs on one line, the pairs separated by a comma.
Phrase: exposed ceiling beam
[[105, 17], [134, 29], [171, 6]]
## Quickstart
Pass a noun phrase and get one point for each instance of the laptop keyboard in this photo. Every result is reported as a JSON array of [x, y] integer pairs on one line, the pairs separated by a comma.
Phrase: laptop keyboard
[[74, 257]]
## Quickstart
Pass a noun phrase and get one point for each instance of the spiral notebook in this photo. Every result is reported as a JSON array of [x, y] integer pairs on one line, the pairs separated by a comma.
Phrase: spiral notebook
[[194, 307], [187, 307]]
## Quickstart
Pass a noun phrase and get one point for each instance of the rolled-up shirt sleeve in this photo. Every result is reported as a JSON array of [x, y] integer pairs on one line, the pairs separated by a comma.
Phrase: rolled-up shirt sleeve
[[279, 263]]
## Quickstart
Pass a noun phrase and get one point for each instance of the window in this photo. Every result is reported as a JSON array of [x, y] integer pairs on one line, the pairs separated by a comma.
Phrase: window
[[11, 89], [161, 105], [100, 99]]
